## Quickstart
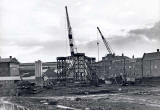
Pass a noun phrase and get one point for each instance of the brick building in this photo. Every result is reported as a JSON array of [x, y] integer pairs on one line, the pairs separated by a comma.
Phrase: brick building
[[137, 68], [114, 66], [9, 67], [151, 64], [111, 66]]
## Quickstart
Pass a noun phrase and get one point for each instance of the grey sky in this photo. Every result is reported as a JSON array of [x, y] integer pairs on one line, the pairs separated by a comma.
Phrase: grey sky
[[36, 29]]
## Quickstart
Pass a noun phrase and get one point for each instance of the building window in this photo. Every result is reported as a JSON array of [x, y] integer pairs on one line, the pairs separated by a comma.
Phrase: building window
[[155, 66]]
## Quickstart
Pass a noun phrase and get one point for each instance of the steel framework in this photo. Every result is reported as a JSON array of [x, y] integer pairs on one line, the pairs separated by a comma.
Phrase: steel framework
[[76, 68], [61, 68]]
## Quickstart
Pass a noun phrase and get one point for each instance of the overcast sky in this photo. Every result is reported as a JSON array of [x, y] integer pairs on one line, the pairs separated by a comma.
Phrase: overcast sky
[[36, 29]]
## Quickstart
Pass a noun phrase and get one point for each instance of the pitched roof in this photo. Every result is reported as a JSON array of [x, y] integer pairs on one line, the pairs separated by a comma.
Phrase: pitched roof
[[138, 59], [151, 56], [115, 57], [50, 73], [9, 60]]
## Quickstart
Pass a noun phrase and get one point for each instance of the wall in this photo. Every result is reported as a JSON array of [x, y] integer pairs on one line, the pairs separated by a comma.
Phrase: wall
[[4, 69], [38, 73], [151, 68], [38, 68], [115, 67], [138, 69], [99, 68], [14, 69]]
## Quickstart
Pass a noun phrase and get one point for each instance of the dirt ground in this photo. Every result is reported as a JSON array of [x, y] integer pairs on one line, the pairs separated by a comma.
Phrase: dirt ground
[[69, 91], [93, 98]]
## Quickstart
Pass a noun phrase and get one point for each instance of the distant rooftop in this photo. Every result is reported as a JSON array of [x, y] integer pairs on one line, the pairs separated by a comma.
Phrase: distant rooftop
[[152, 56], [8, 60], [33, 64], [50, 73], [114, 57]]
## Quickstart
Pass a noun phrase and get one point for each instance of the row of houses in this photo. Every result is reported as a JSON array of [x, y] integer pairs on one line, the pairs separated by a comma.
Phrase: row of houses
[[12, 67], [112, 66], [11, 70]]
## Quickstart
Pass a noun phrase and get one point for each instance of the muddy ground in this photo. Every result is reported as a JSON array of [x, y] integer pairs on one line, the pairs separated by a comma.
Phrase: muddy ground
[[93, 98]]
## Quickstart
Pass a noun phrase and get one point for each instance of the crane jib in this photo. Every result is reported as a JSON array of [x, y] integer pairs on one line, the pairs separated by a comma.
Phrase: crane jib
[[71, 42], [105, 42]]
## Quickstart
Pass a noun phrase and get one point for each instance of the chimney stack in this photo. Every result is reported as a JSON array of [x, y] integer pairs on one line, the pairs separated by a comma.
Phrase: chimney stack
[[10, 57], [157, 50]]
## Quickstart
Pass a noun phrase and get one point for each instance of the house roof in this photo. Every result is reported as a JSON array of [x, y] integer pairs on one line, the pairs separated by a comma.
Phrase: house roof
[[151, 56], [138, 59], [113, 57], [50, 73], [8, 60]]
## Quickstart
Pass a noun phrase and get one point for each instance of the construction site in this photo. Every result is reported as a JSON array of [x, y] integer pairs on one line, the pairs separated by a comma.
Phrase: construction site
[[79, 82]]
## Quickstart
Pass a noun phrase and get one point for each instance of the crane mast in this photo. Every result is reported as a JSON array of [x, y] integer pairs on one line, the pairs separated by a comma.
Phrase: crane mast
[[71, 44], [105, 42]]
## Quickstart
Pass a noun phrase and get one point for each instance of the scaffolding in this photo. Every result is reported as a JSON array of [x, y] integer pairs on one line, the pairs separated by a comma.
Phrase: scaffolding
[[61, 68], [76, 68]]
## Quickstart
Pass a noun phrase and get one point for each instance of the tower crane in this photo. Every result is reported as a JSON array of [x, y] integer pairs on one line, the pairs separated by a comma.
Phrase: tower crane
[[71, 42], [108, 47]]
